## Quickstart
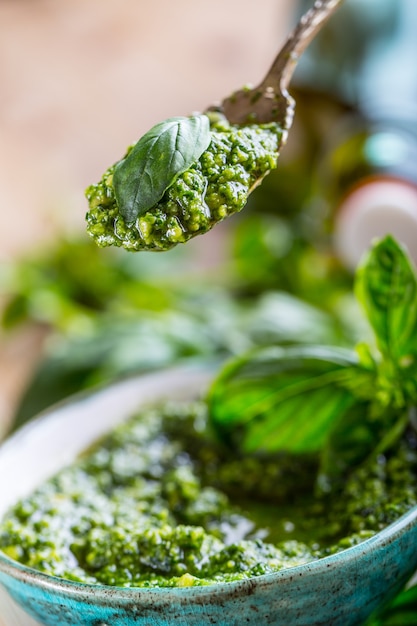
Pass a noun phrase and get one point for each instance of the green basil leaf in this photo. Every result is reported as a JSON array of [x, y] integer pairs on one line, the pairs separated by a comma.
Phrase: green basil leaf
[[350, 441], [386, 286], [359, 434], [163, 153], [365, 430], [283, 398]]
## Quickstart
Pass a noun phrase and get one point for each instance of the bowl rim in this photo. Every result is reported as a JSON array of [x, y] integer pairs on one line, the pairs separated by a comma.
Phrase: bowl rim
[[90, 591], [48, 582]]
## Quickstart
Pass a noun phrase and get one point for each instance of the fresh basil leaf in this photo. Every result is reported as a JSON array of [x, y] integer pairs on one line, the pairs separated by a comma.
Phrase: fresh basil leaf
[[386, 286], [349, 442], [374, 424], [283, 398], [163, 153]]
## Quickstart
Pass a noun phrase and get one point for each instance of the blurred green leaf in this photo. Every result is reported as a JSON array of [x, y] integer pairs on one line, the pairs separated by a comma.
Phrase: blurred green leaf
[[70, 282], [200, 323], [278, 317], [402, 611]]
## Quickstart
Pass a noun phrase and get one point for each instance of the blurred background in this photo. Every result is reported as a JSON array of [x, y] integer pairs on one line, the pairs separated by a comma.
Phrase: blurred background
[[82, 80]]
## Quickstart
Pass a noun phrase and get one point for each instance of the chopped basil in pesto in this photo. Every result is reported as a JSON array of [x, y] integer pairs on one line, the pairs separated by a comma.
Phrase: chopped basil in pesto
[[159, 503], [212, 188]]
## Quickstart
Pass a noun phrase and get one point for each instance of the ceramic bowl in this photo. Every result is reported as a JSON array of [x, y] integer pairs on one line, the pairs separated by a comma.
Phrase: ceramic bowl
[[342, 589]]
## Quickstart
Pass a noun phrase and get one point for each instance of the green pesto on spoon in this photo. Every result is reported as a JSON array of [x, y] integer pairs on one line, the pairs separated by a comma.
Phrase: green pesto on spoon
[[188, 173]]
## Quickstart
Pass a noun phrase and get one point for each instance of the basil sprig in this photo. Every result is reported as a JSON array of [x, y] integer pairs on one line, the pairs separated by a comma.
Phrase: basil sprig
[[386, 286], [344, 405], [156, 160]]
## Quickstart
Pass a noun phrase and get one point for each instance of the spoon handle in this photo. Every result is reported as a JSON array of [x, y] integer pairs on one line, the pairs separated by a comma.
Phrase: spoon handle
[[282, 69]]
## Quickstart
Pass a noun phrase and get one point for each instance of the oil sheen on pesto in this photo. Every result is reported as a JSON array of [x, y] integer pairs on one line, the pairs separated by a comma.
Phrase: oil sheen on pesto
[[214, 187], [158, 503]]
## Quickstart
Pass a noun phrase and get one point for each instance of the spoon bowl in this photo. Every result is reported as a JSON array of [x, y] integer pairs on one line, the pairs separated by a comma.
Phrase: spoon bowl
[[342, 589]]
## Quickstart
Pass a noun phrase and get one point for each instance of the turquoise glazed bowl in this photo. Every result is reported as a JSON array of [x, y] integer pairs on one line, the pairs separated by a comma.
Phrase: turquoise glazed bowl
[[339, 590]]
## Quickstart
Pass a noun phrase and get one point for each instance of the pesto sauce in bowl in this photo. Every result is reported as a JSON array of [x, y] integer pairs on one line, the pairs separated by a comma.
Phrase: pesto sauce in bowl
[[158, 503], [214, 187]]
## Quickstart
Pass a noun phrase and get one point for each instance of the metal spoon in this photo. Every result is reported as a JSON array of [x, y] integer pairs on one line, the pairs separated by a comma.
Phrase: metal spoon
[[270, 100]]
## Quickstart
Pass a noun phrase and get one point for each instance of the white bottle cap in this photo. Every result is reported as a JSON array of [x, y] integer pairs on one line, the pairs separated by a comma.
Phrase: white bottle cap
[[378, 207]]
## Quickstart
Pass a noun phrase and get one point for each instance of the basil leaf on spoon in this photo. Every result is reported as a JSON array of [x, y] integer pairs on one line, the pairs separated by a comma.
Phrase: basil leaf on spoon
[[152, 165]]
